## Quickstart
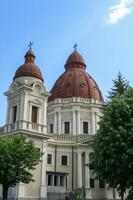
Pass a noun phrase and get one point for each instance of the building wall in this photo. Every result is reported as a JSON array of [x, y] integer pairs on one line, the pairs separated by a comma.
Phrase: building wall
[[28, 91], [76, 113]]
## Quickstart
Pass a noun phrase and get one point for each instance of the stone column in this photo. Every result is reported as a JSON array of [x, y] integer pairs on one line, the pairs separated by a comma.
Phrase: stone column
[[55, 122], [29, 116], [58, 181], [30, 112], [79, 175], [21, 108], [26, 109], [10, 114], [52, 180], [59, 122], [8, 111], [43, 186], [93, 129], [87, 171], [39, 115], [67, 181], [97, 120], [45, 112], [78, 122], [74, 122], [21, 125]]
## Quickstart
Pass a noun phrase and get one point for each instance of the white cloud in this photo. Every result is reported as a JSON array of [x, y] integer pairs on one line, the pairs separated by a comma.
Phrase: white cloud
[[119, 11]]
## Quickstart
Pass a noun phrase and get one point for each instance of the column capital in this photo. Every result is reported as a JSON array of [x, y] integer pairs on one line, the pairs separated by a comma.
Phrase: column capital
[[79, 152]]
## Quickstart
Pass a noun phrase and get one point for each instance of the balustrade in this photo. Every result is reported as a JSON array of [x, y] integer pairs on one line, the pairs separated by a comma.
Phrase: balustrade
[[71, 138], [24, 125]]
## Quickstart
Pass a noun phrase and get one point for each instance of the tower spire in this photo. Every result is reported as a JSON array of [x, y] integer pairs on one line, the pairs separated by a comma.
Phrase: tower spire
[[29, 56]]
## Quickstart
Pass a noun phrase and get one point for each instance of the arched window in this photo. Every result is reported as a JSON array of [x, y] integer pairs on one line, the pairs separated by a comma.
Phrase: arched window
[[34, 114], [14, 113]]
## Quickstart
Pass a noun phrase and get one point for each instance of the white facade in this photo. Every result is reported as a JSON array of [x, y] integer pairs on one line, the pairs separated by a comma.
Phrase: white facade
[[63, 131]]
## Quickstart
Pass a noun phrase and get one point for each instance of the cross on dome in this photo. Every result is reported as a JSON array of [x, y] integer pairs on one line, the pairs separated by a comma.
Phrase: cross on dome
[[29, 56], [30, 45], [75, 47]]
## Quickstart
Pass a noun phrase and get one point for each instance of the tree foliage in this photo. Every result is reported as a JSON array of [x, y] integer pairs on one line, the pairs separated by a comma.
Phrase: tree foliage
[[120, 86], [113, 144], [79, 193], [18, 157]]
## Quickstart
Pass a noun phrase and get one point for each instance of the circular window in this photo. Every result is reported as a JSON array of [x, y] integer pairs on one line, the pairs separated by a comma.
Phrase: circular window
[[68, 85], [95, 88], [82, 85]]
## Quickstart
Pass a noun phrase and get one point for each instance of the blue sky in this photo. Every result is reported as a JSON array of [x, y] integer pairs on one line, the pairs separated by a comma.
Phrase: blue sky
[[102, 29]]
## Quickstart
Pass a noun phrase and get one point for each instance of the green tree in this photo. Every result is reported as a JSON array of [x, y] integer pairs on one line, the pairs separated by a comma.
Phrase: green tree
[[79, 193], [113, 144], [120, 86], [130, 195], [18, 157]]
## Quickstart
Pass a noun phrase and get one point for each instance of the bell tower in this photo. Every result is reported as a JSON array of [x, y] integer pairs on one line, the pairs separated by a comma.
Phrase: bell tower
[[27, 99]]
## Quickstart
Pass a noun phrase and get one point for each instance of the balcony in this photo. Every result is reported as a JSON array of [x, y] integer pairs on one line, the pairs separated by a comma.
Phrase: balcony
[[71, 138], [25, 125]]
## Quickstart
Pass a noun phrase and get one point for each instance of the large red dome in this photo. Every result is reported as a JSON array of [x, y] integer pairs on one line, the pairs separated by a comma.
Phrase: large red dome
[[75, 81], [29, 68]]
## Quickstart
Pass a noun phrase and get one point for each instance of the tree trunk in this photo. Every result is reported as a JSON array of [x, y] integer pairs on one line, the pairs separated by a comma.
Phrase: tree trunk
[[5, 192], [114, 196], [122, 195]]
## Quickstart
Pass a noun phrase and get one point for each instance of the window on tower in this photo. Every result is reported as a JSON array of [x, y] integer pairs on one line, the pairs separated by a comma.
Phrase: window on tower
[[67, 127], [14, 113], [85, 127], [34, 114], [51, 128]]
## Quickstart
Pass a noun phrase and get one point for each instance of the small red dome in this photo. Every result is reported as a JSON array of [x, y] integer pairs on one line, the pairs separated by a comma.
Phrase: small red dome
[[75, 81], [75, 60], [29, 68]]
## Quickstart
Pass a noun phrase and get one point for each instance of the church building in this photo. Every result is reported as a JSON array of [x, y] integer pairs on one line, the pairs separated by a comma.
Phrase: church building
[[61, 123]]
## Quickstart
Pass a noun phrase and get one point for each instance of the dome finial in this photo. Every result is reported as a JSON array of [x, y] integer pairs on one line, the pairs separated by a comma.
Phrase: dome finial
[[75, 47], [30, 45], [29, 56]]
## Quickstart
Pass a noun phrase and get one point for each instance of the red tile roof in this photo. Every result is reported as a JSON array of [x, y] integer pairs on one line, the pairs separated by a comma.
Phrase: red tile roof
[[29, 68], [75, 81]]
